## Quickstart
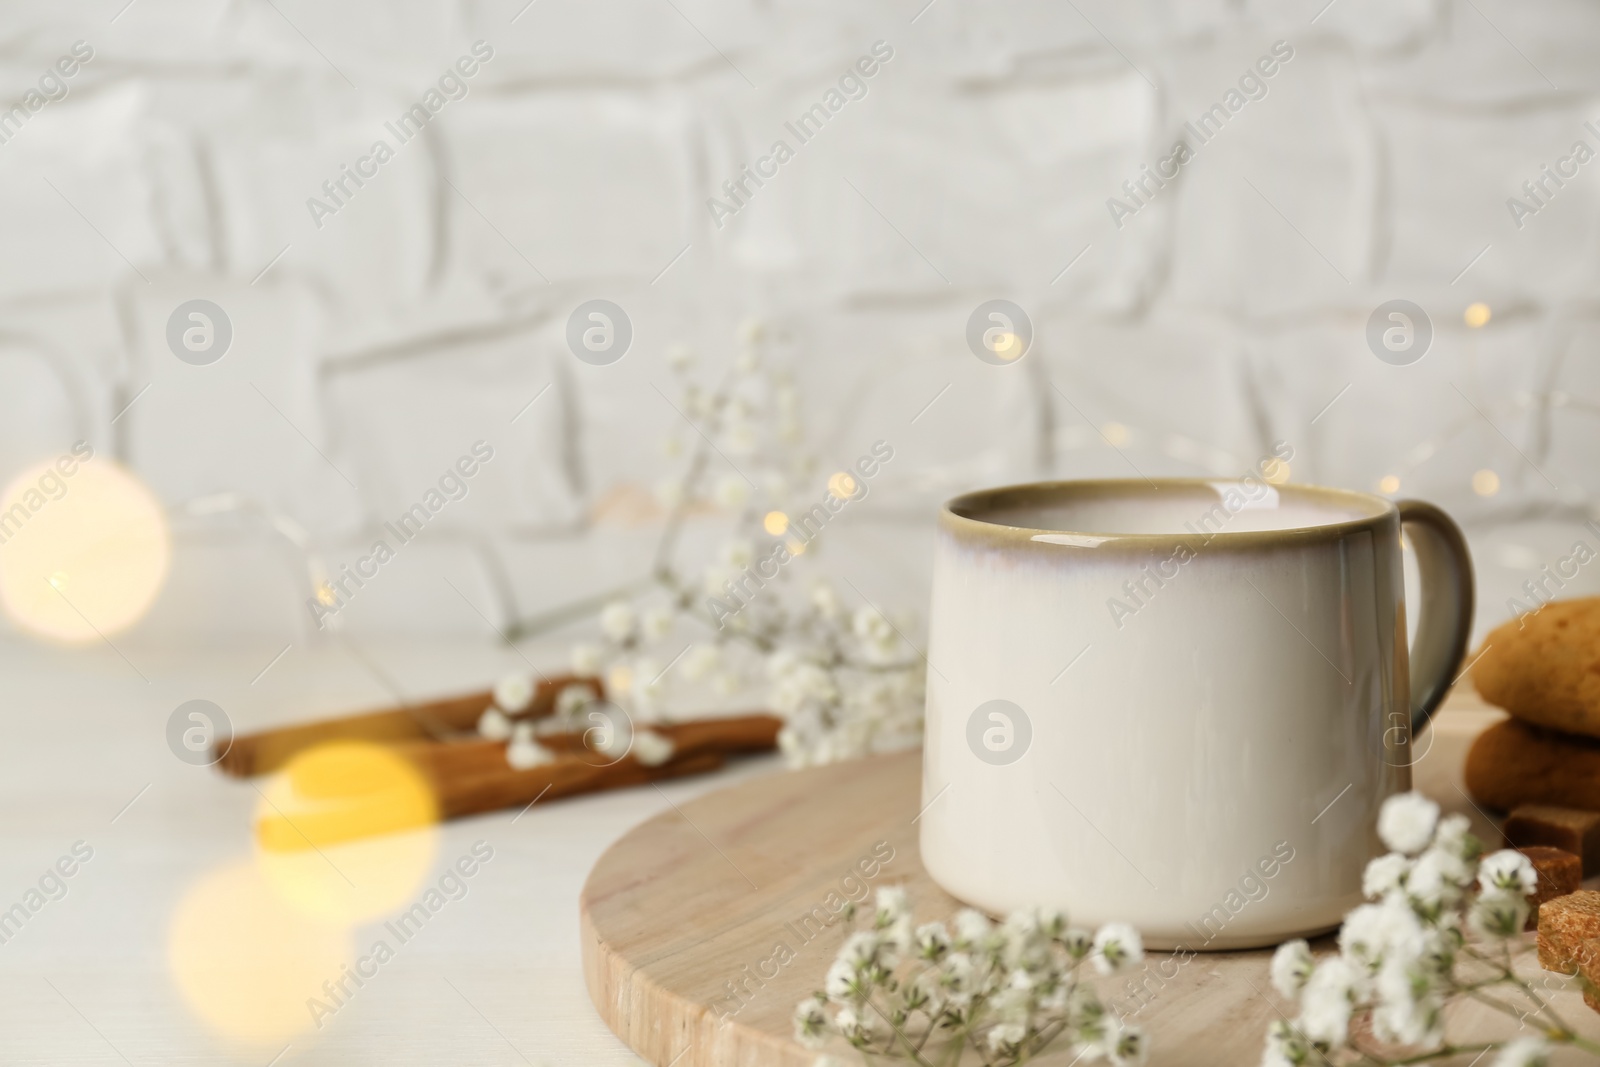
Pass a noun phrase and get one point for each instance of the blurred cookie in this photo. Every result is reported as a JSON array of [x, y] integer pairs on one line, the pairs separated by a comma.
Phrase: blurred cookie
[[1512, 763], [1544, 667]]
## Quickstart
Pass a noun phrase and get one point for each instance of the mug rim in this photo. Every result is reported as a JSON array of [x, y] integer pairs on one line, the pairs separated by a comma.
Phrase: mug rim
[[1378, 512]]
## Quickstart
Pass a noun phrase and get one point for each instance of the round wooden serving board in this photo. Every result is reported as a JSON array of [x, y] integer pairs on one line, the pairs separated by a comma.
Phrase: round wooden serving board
[[696, 944]]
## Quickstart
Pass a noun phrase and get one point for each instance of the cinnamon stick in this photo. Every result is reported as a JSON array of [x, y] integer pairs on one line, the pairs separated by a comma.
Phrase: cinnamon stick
[[504, 788], [365, 814], [450, 760], [267, 751]]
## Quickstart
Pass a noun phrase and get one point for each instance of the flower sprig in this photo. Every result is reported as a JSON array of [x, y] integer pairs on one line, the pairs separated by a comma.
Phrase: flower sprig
[[1444, 924], [927, 994], [846, 681]]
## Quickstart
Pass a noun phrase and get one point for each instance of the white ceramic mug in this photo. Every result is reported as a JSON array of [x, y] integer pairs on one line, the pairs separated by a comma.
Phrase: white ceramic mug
[[1180, 703]]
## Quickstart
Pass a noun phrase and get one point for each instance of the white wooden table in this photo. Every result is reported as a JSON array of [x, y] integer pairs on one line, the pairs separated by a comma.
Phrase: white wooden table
[[494, 978]]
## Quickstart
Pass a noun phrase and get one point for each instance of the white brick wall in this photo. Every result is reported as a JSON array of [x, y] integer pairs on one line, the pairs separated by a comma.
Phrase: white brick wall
[[430, 309]]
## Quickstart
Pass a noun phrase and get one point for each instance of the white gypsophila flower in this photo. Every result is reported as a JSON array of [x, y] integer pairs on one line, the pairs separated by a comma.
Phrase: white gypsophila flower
[[879, 641], [585, 660], [1078, 942], [932, 941], [811, 1023], [522, 731], [892, 905], [572, 699], [657, 623], [526, 753], [1326, 1002], [899, 937], [1291, 967], [1286, 1046], [1025, 942], [861, 948], [782, 661], [699, 661], [680, 357], [1384, 875], [843, 983], [973, 928], [725, 683], [1498, 914], [926, 993], [732, 492], [825, 600], [801, 686], [513, 693], [1454, 835], [1116, 945], [651, 748], [616, 620], [1126, 1045], [1434, 880], [1410, 1010], [494, 725], [956, 973], [1374, 932], [1509, 871], [1406, 822], [738, 553], [1006, 1038], [1529, 1051]]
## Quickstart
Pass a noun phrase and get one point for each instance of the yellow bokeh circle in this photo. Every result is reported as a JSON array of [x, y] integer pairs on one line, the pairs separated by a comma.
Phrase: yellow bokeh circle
[[346, 832], [84, 548], [245, 961]]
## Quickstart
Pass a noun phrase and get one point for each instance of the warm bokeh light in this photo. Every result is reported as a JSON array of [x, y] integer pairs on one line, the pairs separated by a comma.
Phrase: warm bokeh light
[[775, 523], [246, 961], [1476, 315], [1486, 482], [1276, 471], [1389, 483], [796, 547], [342, 791], [1116, 433], [619, 679], [353, 882], [1005, 345], [81, 555], [842, 485]]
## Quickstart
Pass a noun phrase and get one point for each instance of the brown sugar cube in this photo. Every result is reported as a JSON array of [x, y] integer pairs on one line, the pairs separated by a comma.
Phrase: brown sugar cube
[[1559, 873], [1565, 923], [1589, 971], [1568, 829]]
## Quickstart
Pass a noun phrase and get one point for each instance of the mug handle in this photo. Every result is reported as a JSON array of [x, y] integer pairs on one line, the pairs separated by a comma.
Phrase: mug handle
[[1445, 621]]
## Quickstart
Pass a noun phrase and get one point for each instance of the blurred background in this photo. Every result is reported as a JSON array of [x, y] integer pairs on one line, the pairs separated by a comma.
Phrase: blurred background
[[270, 359], [372, 344]]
